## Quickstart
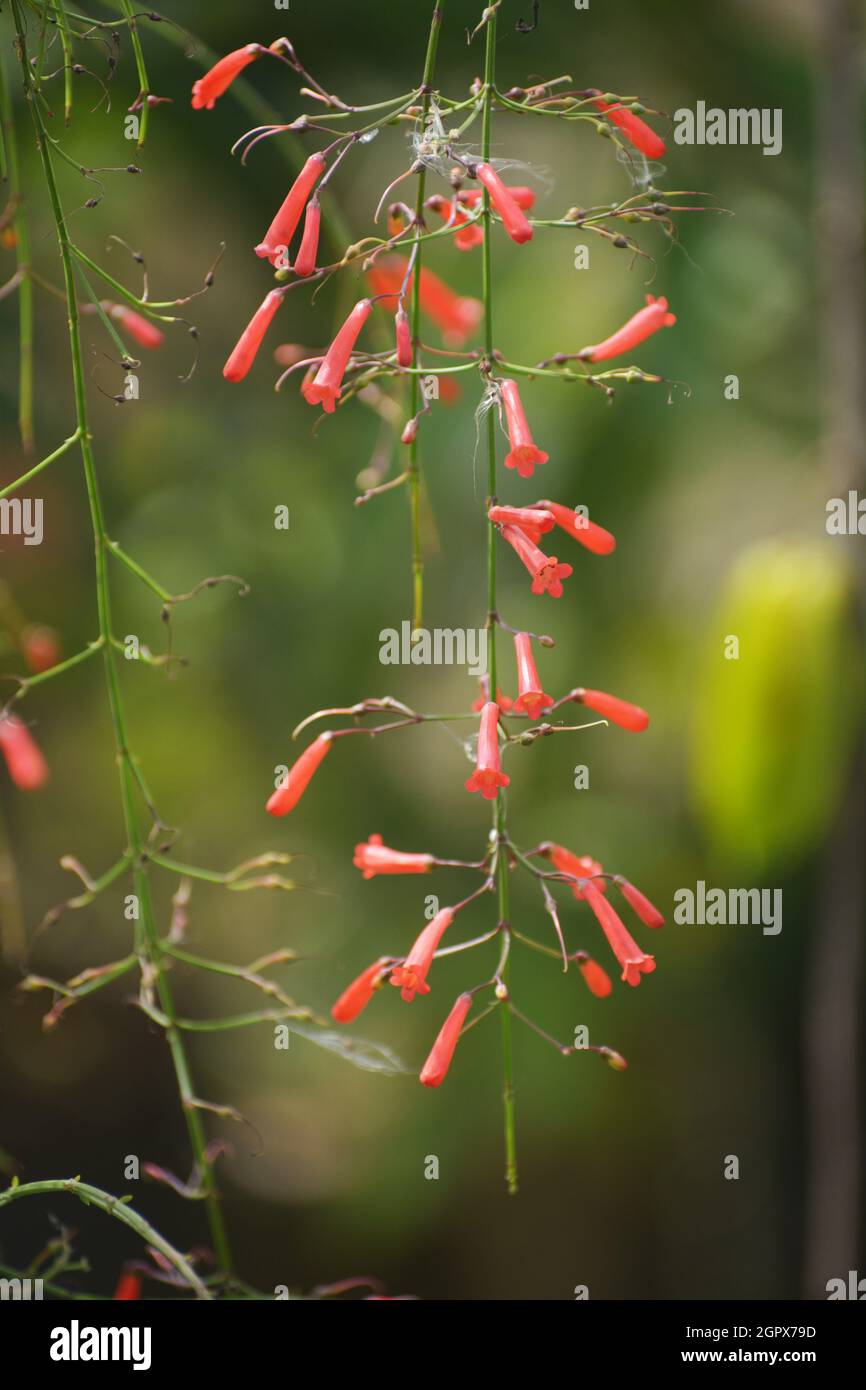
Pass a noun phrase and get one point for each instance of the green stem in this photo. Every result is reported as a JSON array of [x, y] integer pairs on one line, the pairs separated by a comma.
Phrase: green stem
[[414, 469], [499, 805], [25, 288], [144, 85], [148, 942], [66, 46], [117, 1207], [38, 467]]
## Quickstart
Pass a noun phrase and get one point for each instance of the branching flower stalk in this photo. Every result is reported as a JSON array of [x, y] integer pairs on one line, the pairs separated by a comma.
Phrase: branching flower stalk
[[147, 940], [480, 203], [499, 822], [148, 840]]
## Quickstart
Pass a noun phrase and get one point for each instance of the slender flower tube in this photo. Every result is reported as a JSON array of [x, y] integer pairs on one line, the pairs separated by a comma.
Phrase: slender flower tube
[[620, 712], [641, 325], [488, 776], [597, 979], [27, 767], [140, 329], [531, 699], [580, 865], [411, 977], [633, 960], [580, 528], [305, 261], [524, 197], [128, 1286], [403, 334], [220, 77], [435, 1069], [325, 387], [534, 521], [547, 573], [524, 453], [636, 131], [375, 858], [640, 903], [284, 225], [357, 995], [243, 354], [297, 779], [513, 219], [455, 316]]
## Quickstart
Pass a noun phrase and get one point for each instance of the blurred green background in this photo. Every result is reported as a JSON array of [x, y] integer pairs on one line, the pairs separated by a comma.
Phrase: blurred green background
[[749, 774]]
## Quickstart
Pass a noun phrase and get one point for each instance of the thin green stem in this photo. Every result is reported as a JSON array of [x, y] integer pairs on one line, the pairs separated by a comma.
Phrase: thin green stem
[[148, 941], [414, 469], [66, 46], [117, 1207], [499, 805], [38, 467], [21, 229], [143, 83]]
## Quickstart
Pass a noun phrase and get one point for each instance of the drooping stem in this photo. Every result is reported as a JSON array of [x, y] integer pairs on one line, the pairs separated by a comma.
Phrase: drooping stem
[[119, 1208], [499, 804], [147, 941], [414, 469]]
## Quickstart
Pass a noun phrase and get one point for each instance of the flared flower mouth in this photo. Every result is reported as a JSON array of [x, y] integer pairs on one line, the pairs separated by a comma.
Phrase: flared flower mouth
[[525, 458], [325, 396], [487, 781], [549, 576]]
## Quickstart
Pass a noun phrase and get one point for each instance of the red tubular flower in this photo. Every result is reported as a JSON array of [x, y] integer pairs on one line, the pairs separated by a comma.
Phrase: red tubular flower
[[524, 197], [531, 699], [580, 528], [532, 520], [580, 865], [633, 960], [357, 995], [597, 979], [467, 233], [503, 701], [488, 776], [620, 712], [641, 325], [411, 977], [289, 793], [513, 220], [325, 387], [27, 767], [128, 1286], [243, 354], [524, 453], [220, 77], [636, 131], [284, 225], [403, 334], [375, 858], [547, 573], [41, 647], [456, 317], [145, 333], [435, 1069], [646, 911], [305, 261]]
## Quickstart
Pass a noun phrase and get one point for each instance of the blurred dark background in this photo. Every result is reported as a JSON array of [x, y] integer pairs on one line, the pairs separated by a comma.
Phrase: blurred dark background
[[749, 775]]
